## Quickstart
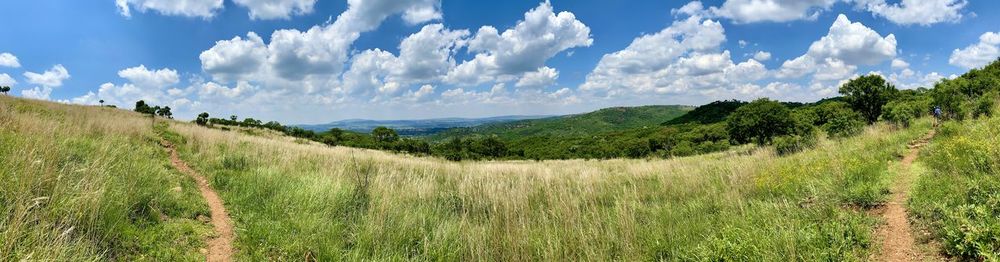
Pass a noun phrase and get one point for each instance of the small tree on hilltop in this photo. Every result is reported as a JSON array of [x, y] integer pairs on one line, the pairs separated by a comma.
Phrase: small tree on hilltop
[[4, 89], [165, 112], [142, 107], [101, 101], [233, 118], [760, 122], [202, 119], [867, 95]]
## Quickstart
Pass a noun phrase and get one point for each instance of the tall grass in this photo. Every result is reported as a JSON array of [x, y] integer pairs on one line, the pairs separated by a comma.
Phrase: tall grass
[[295, 201], [89, 183], [957, 197]]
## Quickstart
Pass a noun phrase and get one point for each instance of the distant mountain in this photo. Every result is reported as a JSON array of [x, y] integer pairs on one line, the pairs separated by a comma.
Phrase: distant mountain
[[415, 127], [604, 120]]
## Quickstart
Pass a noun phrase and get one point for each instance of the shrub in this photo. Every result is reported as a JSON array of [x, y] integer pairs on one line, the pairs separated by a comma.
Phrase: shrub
[[898, 113], [790, 144], [844, 123], [984, 105]]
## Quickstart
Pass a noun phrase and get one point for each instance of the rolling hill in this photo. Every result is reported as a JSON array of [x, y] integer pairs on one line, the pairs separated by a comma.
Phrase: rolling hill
[[604, 120], [421, 127]]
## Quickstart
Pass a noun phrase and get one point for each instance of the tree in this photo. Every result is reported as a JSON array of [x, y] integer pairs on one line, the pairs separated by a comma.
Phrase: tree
[[759, 122], [164, 112], [202, 119], [143, 108], [867, 95], [4, 89], [384, 135], [102, 102], [233, 118]]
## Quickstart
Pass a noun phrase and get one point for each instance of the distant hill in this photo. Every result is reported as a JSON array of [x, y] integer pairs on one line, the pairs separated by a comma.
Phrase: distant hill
[[414, 127], [604, 120], [707, 114]]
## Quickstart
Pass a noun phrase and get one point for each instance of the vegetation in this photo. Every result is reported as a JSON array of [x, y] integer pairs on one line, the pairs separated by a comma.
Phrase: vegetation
[[868, 94], [91, 183], [4, 89]]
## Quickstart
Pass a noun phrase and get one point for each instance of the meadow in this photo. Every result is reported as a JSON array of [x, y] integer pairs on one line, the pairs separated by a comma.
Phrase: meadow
[[292, 200], [91, 183]]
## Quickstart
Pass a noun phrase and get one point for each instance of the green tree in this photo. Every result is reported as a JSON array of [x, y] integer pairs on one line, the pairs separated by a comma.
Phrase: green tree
[[843, 122], [384, 135], [4, 89], [233, 118], [164, 112], [101, 101], [899, 113], [202, 119], [142, 107], [867, 95], [759, 122]]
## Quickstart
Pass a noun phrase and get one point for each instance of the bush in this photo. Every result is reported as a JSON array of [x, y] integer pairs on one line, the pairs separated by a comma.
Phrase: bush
[[984, 105], [899, 113], [786, 145], [844, 123]]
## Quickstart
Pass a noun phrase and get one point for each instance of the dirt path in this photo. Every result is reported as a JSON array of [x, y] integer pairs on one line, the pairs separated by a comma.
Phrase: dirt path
[[220, 247], [897, 238]]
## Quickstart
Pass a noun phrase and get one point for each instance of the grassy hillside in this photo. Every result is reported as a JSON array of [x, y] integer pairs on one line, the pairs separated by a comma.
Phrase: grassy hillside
[[87, 183], [604, 120]]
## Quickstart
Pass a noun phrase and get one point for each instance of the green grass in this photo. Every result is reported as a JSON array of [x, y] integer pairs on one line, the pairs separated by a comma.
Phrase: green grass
[[957, 196], [87, 183], [292, 201]]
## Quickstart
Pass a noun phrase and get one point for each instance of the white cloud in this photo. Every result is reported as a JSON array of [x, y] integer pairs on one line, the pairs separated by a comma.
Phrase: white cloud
[[9, 60], [50, 78], [321, 51], [904, 12], [838, 54], [919, 12], [752, 11], [189, 8], [900, 64], [40, 93], [979, 54], [276, 9], [522, 49], [762, 56], [142, 84], [544, 77], [6, 80], [682, 62], [235, 58]]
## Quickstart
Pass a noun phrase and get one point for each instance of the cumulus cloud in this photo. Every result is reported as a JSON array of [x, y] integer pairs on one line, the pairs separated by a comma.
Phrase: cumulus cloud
[[293, 55], [6, 80], [276, 9], [682, 58], [522, 49], [979, 54], [847, 45], [545, 76], [919, 12], [906, 12], [762, 56], [50, 78], [424, 57], [40, 93], [142, 84], [9, 60], [752, 11], [189, 8]]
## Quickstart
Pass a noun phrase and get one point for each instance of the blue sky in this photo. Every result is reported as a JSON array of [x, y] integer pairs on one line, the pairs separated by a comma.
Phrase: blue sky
[[388, 59]]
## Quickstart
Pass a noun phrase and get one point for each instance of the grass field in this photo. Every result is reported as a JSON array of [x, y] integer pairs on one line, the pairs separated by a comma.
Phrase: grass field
[[958, 195], [89, 183], [92, 183]]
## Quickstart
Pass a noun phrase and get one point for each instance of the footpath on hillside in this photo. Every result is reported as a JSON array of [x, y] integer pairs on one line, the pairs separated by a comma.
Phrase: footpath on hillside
[[220, 247], [898, 243]]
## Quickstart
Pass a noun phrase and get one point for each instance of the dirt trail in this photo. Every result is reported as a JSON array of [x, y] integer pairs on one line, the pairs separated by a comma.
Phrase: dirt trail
[[220, 248], [897, 238]]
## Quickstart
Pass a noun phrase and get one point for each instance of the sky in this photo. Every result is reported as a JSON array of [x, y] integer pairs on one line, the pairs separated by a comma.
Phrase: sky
[[316, 61]]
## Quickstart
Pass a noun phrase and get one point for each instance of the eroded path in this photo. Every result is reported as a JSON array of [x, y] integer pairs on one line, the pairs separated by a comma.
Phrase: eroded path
[[220, 247], [898, 243]]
